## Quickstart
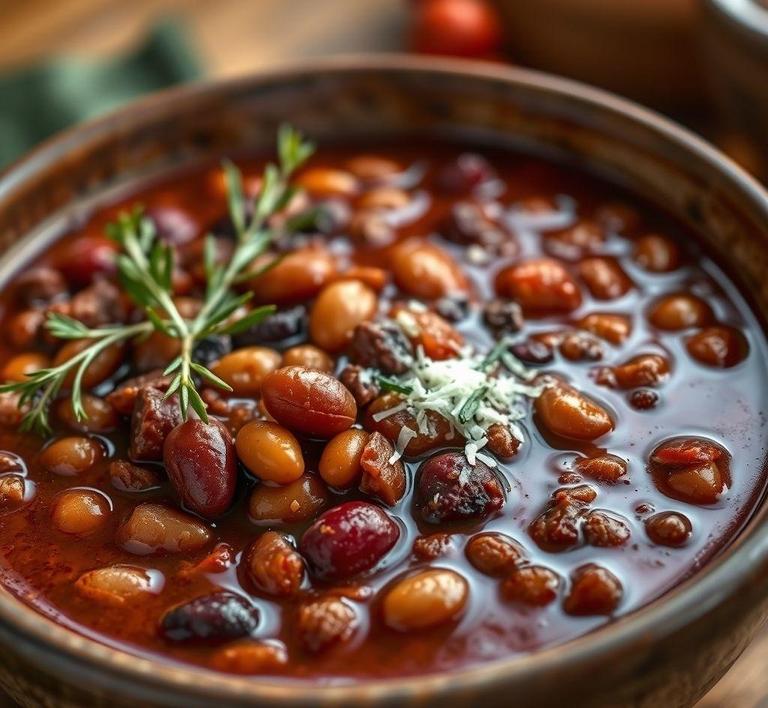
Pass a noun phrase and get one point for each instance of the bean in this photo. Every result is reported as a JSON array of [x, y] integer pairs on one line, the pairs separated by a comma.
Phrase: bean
[[308, 356], [426, 271], [15, 491], [426, 599], [656, 253], [200, 461], [575, 241], [116, 585], [604, 278], [563, 410], [308, 401], [151, 528], [493, 553], [25, 328], [594, 591], [641, 370], [539, 286], [347, 540], [680, 311], [449, 488], [297, 501], [249, 658], [299, 276], [21, 366], [100, 417], [274, 566], [244, 369], [71, 456], [325, 622], [384, 198], [338, 309], [374, 278], [609, 326], [39, 286], [373, 168], [719, 346], [80, 511], [532, 585], [217, 617], [603, 468], [605, 530], [439, 339], [432, 546], [103, 365], [325, 181], [669, 528], [340, 462], [643, 399], [694, 470], [270, 452], [85, 258]]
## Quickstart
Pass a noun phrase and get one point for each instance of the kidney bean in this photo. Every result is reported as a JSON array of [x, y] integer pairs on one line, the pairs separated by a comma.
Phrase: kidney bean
[[381, 345], [217, 617], [532, 585], [325, 622], [347, 540], [21, 366], [340, 462], [71, 456], [337, 310], [153, 528], [540, 285], [274, 566], [100, 417], [131, 478], [85, 258], [669, 528], [308, 401], [270, 452], [594, 591], [432, 546], [604, 530], [640, 370], [494, 553], [381, 478], [249, 658], [449, 488], [325, 181], [425, 271], [116, 585], [604, 278], [603, 468], [308, 356], [656, 253], [80, 511], [297, 501], [680, 311], [563, 410], [200, 461], [103, 365], [244, 369], [608, 326], [299, 276], [153, 418], [719, 346], [429, 598]]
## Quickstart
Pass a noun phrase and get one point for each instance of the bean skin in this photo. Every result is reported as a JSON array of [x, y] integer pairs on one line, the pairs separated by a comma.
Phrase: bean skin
[[427, 599]]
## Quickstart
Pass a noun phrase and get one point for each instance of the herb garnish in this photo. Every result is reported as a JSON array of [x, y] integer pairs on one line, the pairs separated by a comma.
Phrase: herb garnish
[[145, 267]]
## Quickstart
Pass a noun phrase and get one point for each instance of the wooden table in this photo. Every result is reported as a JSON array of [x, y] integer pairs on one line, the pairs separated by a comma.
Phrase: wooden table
[[238, 36]]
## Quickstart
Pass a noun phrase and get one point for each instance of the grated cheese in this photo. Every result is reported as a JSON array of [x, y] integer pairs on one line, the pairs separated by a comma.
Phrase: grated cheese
[[403, 438]]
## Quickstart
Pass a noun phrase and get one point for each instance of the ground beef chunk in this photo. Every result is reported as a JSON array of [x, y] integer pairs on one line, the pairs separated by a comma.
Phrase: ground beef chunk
[[360, 383], [124, 396], [153, 418], [382, 478], [382, 346], [130, 478]]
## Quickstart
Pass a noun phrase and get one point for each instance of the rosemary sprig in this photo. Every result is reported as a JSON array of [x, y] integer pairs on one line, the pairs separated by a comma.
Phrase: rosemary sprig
[[145, 267], [389, 384]]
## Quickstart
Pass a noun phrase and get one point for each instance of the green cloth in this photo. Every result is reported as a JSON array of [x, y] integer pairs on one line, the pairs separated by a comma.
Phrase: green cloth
[[37, 101]]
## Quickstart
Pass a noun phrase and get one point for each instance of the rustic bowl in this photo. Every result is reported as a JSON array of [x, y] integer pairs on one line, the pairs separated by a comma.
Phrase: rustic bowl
[[735, 34], [668, 653]]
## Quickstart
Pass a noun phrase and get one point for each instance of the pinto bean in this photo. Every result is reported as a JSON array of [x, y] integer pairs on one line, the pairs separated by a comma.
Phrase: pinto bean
[[116, 585], [297, 501], [325, 181], [20, 367], [539, 285], [426, 599], [605, 530], [532, 585], [153, 528], [563, 410], [338, 309], [575, 241], [308, 356], [594, 591], [71, 456], [501, 441], [340, 462], [244, 369], [274, 566], [270, 452], [39, 286], [494, 553], [432, 546], [680, 311], [86, 258], [604, 277], [426, 271], [250, 658], [80, 511], [99, 415], [15, 491], [103, 365], [299, 276], [308, 401]]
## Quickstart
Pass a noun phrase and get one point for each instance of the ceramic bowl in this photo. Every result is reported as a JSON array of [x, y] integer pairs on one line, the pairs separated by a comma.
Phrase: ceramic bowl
[[666, 654]]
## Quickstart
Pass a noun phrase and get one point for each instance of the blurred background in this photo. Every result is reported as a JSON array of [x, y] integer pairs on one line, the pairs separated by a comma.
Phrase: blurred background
[[703, 62]]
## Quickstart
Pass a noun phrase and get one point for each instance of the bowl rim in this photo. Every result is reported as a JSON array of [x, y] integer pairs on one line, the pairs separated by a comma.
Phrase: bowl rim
[[747, 15], [679, 606]]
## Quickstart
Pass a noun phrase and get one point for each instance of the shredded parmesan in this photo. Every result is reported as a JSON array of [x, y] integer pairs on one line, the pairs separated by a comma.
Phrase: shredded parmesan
[[404, 437]]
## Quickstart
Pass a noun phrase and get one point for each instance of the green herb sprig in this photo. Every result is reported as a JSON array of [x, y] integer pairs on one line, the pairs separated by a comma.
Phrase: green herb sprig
[[145, 267]]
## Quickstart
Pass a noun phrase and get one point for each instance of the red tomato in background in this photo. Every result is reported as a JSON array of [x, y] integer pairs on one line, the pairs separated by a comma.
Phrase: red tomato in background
[[464, 28]]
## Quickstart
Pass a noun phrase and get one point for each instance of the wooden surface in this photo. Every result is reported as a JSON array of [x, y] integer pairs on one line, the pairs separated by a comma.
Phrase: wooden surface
[[237, 36]]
